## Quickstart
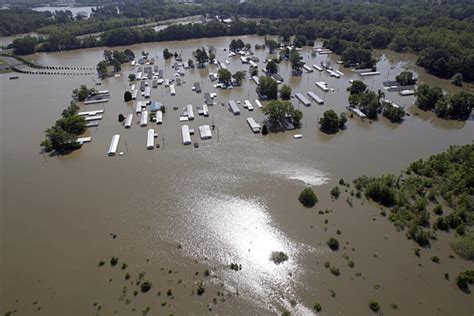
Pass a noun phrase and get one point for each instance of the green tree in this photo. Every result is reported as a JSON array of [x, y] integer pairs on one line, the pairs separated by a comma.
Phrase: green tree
[[329, 122], [272, 45], [25, 45], [308, 198], [296, 63], [167, 54], [238, 77], [280, 112], [357, 87], [267, 87], [405, 78], [394, 113], [457, 79], [132, 77], [225, 76], [82, 93], [102, 68], [285, 92], [271, 67], [127, 96], [201, 56], [426, 96]]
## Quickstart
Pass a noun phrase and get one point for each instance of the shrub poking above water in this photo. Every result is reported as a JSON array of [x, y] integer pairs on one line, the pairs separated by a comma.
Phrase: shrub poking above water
[[308, 198], [278, 257]]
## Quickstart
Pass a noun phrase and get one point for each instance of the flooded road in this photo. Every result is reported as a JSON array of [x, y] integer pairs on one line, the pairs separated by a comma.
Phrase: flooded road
[[177, 210]]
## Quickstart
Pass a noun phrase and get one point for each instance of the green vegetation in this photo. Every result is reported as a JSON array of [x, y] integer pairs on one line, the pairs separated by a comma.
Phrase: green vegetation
[[335, 271], [145, 286], [82, 93], [464, 279], [333, 243], [449, 175], [435, 259], [457, 79], [280, 114], [115, 59], [278, 257], [405, 78], [394, 113], [296, 63], [113, 261], [335, 192], [440, 34], [463, 246], [61, 137], [456, 106], [267, 88], [374, 306], [367, 101], [317, 307], [331, 123], [357, 87], [201, 56], [224, 76], [200, 290], [285, 92], [236, 45], [127, 96], [308, 198], [271, 67]]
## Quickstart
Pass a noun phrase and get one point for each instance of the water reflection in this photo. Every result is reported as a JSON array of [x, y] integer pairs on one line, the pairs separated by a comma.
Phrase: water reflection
[[227, 229]]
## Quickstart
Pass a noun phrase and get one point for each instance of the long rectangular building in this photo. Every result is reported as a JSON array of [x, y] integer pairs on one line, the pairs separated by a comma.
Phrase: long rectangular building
[[190, 111], [234, 107], [315, 97], [113, 145], [144, 119], [302, 99], [254, 126], [186, 135], [205, 132], [128, 121], [150, 139]]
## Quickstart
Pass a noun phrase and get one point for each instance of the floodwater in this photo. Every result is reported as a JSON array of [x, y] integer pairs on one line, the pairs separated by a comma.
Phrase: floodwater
[[178, 210], [87, 10]]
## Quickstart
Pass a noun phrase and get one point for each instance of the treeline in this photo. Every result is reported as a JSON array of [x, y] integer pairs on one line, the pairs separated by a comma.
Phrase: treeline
[[16, 21], [416, 196], [442, 35]]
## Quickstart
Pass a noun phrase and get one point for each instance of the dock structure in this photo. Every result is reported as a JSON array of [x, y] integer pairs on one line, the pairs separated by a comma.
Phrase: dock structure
[[128, 121], [113, 145], [205, 110], [144, 119], [254, 126], [172, 90], [302, 99], [186, 135], [315, 97], [234, 107], [197, 87], [150, 139], [256, 79], [322, 85], [190, 112], [259, 104], [248, 105], [369, 73], [307, 68], [317, 67], [159, 117], [205, 132]]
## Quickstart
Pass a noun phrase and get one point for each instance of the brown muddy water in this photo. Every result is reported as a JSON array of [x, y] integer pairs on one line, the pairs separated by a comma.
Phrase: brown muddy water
[[177, 210]]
